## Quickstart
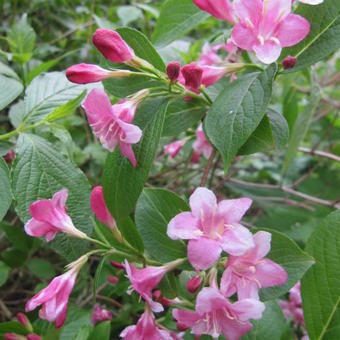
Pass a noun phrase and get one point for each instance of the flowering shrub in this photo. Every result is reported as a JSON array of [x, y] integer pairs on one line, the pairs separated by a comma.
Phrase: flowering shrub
[[224, 96]]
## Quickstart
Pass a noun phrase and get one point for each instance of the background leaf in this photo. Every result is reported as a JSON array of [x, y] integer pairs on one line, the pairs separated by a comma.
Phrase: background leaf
[[38, 172], [5, 192], [320, 287]]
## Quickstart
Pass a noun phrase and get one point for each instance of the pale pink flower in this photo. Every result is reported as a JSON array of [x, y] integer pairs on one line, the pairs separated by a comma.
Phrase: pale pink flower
[[100, 314], [146, 328], [220, 9], [201, 145], [248, 273], [144, 280], [212, 74], [99, 208], [49, 217], [174, 148], [215, 315], [212, 227], [209, 55], [54, 298], [112, 46], [267, 26], [112, 124]]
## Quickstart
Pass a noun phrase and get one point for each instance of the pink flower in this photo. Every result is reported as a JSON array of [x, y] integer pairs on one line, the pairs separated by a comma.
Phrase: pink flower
[[13, 336], [211, 228], [54, 298], [248, 273], [172, 70], [88, 73], [215, 315], [267, 26], [211, 74], [191, 77], [49, 217], [174, 148], [145, 280], [112, 46], [112, 124], [99, 208], [220, 9], [99, 314], [201, 145], [146, 328]]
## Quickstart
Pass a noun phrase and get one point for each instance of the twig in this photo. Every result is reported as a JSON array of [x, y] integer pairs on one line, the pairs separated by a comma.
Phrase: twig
[[320, 153], [207, 168], [110, 300], [214, 171]]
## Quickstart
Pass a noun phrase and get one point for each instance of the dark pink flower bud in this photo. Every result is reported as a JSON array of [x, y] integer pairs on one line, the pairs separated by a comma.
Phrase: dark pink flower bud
[[9, 157], [13, 336], [99, 314], [86, 73], [23, 319], [112, 46], [289, 62], [113, 279], [192, 75], [157, 294], [194, 283], [99, 208], [172, 70], [34, 337], [117, 265]]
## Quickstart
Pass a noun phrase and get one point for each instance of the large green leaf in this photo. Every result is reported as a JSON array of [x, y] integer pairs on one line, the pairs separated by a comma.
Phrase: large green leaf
[[101, 331], [321, 285], [47, 92], [286, 253], [323, 38], [122, 183], [10, 85], [38, 172], [272, 325], [238, 111], [302, 124], [155, 208], [5, 192], [177, 17]]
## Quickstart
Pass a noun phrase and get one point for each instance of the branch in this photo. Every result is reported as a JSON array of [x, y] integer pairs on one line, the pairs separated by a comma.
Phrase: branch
[[320, 153], [207, 168]]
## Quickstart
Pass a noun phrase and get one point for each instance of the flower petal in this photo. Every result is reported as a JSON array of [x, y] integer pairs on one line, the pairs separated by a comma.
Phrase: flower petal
[[37, 228], [236, 240], [185, 318], [262, 240], [183, 226], [248, 309], [228, 287], [276, 9], [243, 37], [127, 151], [293, 29], [59, 199], [210, 299], [249, 11], [202, 201], [203, 253], [132, 133], [269, 273], [233, 210], [269, 52]]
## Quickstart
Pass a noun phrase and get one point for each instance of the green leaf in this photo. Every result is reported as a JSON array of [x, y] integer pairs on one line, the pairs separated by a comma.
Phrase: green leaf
[[47, 92], [155, 208], [41, 268], [130, 233], [177, 17], [5, 192], [76, 319], [101, 331], [323, 38], [21, 40], [291, 108], [16, 113], [237, 112], [128, 14], [4, 271], [302, 124], [12, 327], [320, 287], [271, 326], [38, 172], [122, 183], [10, 86], [5, 147], [287, 254], [98, 272], [17, 236], [182, 115], [280, 129]]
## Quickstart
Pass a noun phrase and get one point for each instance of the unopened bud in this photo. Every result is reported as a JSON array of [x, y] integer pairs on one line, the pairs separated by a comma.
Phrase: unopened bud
[[172, 70], [34, 337], [192, 74], [117, 265], [13, 336], [9, 157], [289, 62], [113, 279], [194, 283], [23, 319]]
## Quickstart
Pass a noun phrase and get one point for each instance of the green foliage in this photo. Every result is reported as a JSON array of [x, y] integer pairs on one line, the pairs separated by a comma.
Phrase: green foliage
[[321, 285], [5, 192]]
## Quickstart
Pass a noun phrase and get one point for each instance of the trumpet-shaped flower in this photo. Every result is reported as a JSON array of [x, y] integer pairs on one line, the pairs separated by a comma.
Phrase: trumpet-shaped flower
[[112, 124], [49, 217], [99, 208], [201, 145], [174, 148], [54, 298], [248, 273], [266, 26], [215, 315], [212, 227], [220, 9]]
